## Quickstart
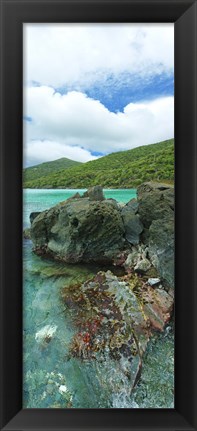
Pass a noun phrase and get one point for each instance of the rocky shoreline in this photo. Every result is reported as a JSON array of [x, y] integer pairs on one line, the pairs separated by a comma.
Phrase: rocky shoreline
[[115, 315]]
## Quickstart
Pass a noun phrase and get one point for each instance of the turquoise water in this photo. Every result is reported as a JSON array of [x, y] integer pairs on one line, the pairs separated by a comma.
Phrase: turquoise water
[[40, 200], [54, 379]]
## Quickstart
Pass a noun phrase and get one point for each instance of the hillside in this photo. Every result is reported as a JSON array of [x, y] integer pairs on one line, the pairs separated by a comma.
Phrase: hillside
[[47, 168], [124, 169]]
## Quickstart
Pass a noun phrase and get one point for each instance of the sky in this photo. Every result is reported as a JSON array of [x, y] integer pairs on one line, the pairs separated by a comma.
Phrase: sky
[[93, 89]]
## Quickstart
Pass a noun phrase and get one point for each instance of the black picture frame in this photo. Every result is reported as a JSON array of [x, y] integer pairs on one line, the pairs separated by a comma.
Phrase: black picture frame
[[184, 14]]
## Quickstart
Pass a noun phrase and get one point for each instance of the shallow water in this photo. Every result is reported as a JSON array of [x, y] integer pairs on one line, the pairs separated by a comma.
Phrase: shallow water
[[52, 378]]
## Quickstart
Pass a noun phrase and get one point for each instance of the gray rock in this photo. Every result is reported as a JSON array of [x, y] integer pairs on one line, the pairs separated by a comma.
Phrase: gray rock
[[142, 266], [75, 196], [161, 248], [156, 211], [156, 202], [80, 230], [132, 259], [132, 224], [153, 281], [112, 202], [33, 215], [27, 233], [133, 205], [94, 193]]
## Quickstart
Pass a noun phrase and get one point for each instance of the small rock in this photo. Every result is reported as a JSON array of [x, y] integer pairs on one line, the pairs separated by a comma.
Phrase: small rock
[[49, 389], [94, 193], [158, 306], [131, 259], [27, 233], [75, 196], [142, 266], [45, 333], [153, 281], [63, 389], [133, 205]]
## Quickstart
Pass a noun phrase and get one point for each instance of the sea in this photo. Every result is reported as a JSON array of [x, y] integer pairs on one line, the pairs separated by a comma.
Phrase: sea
[[52, 378]]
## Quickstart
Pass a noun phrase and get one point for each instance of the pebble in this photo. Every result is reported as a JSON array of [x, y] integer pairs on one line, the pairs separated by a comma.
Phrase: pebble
[[153, 281]]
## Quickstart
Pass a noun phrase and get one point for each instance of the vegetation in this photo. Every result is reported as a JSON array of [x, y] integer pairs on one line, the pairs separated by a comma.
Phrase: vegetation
[[48, 168], [125, 169]]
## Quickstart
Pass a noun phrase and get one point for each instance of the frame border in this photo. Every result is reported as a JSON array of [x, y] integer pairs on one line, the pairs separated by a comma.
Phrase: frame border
[[13, 14]]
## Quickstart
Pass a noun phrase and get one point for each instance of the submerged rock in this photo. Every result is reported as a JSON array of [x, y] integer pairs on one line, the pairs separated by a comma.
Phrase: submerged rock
[[27, 233], [116, 316], [45, 334]]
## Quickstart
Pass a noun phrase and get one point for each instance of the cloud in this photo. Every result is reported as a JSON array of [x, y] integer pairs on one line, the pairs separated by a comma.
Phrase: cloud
[[36, 152], [78, 55], [74, 126]]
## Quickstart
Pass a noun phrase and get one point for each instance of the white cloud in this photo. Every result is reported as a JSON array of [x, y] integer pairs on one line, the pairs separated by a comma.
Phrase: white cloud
[[36, 152], [76, 56], [67, 54], [73, 125]]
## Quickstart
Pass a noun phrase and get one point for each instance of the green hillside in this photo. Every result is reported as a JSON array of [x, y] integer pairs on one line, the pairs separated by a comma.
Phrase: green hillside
[[124, 169], [47, 168]]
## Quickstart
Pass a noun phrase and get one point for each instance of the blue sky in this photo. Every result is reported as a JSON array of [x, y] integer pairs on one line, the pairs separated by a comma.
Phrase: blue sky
[[118, 91], [92, 89]]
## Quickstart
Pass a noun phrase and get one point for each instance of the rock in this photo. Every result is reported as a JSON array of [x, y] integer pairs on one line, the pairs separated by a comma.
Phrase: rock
[[94, 229], [33, 215], [75, 196], [153, 281], [132, 205], [27, 233], [45, 334], [123, 317], [81, 230], [94, 193], [132, 224], [112, 202], [156, 211], [132, 259], [142, 266], [158, 306], [161, 248], [151, 185], [156, 202], [138, 254], [41, 228]]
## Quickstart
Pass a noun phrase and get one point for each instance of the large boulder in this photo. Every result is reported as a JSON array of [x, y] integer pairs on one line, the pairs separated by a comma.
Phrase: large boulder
[[156, 202], [156, 211], [161, 248], [94, 229], [79, 230]]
